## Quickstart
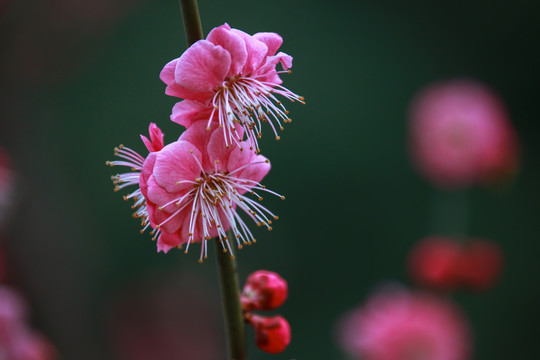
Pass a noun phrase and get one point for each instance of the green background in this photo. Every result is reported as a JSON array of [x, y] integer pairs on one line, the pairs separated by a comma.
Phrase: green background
[[82, 77]]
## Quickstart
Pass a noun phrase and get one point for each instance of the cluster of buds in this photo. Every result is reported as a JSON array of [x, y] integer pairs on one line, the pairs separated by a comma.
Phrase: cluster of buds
[[266, 290], [446, 264]]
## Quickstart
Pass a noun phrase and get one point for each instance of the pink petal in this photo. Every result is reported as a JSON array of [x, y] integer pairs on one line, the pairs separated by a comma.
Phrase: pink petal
[[200, 70], [234, 44], [168, 241], [257, 172], [256, 50], [167, 74], [147, 169], [158, 196], [217, 150], [186, 112], [176, 163], [272, 40], [268, 72], [156, 138]]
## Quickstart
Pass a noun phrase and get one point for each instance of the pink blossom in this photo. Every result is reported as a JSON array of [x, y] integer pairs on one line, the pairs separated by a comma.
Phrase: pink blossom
[[189, 190], [399, 325], [264, 290], [17, 340], [460, 135], [232, 75]]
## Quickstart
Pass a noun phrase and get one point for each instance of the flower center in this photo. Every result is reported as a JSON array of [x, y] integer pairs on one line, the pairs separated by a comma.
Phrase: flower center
[[250, 102]]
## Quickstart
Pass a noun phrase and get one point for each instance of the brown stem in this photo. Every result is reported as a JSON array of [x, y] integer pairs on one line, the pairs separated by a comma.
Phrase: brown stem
[[192, 21], [234, 318]]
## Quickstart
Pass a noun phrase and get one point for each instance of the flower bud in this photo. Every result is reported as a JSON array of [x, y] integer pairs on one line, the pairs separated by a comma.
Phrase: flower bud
[[433, 262], [264, 290], [272, 334], [480, 264]]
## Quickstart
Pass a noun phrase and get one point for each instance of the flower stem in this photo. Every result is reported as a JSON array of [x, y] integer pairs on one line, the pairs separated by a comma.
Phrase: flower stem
[[192, 21], [234, 319]]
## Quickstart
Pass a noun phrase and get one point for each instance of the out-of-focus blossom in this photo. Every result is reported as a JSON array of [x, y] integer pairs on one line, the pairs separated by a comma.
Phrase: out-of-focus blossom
[[448, 264], [167, 317], [233, 74], [17, 340], [264, 290], [272, 334], [460, 135], [396, 324]]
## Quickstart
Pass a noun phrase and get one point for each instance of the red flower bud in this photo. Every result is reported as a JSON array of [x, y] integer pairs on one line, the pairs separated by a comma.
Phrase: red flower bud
[[264, 290], [272, 334], [434, 262], [480, 264]]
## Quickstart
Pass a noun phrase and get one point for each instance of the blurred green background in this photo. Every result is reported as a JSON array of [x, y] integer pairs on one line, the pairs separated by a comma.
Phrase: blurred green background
[[80, 77]]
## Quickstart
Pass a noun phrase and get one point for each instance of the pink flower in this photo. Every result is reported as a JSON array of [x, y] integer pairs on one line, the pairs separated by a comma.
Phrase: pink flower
[[189, 190], [264, 290], [460, 135], [17, 340], [232, 75], [400, 325], [135, 162], [272, 334]]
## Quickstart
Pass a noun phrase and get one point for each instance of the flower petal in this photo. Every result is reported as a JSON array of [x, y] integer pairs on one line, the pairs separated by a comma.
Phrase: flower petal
[[200, 70], [176, 162], [272, 40], [186, 112], [168, 241], [147, 169], [233, 43], [256, 50]]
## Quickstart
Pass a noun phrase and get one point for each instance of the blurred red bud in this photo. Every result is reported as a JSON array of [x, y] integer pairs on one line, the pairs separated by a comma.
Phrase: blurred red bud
[[480, 264], [433, 262]]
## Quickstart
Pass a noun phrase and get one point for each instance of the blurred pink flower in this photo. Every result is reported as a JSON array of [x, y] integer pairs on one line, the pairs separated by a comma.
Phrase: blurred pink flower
[[264, 290], [460, 135], [234, 75], [17, 340], [448, 264], [400, 325]]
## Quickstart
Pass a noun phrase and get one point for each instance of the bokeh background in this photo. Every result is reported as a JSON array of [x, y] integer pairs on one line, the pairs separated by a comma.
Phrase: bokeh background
[[80, 77]]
